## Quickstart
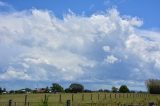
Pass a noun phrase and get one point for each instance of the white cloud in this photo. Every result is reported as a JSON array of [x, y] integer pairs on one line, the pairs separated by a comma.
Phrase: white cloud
[[146, 49], [40, 46], [12, 74], [111, 59], [106, 48]]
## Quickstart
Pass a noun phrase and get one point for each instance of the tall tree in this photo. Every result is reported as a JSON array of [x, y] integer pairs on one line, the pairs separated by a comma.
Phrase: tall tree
[[153, 86], [1, 90], [4, 89], [123, 89], [56, 87], [114, 89], [75, 87]]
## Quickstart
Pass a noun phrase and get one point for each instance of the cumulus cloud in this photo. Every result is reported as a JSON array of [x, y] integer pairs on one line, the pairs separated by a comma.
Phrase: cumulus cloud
[[12, 74], [41, 47], [111, 59], [106, 48]]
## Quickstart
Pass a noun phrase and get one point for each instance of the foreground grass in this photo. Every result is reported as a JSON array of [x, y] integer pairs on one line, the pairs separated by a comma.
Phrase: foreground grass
[[82, 98]]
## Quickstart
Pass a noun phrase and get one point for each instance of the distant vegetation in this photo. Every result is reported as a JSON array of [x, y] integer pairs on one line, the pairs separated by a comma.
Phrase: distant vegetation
[[56, 88], [153, 86], [73, 88], [123, 89]]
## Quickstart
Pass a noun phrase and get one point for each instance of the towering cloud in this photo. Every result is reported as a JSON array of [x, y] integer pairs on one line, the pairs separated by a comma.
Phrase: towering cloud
[[35, 45]]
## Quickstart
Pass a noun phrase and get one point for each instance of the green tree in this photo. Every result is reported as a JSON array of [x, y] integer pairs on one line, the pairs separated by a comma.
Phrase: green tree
[[75, 87], [153, 86], [67, 90], [4, 89], [123, 89], [1, 90], [47, 89], [114, 89], [56, 88]]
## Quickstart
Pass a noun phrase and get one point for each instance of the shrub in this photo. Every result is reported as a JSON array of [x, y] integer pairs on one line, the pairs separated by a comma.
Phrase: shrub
[[75, 87], [56, 88], [123, 89], [153, 86], [114, 89]]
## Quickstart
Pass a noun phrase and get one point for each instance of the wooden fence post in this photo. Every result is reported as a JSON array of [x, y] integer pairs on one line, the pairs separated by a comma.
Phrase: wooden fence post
[[72, 97], [10, 102], [68, 103], [60, 98], [105, 96], [28, 104], [45, 97], [110, 96], [82, 97], [25, 100], [98, 96], [91, 96], [115, 95]]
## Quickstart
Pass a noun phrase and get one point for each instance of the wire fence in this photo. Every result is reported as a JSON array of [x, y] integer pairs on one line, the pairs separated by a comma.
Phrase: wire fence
[[82, 99]]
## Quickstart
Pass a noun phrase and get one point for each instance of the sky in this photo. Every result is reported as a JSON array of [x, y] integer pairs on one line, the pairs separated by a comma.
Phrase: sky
[[98, 43]]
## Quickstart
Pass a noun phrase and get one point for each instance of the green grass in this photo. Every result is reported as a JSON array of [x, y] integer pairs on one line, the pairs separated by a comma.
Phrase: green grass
[[82, 98]]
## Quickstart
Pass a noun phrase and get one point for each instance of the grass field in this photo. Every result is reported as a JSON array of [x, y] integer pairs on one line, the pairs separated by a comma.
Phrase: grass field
[[81, 99]]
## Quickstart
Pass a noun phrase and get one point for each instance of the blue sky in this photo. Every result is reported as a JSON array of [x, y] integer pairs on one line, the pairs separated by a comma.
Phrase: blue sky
[[144, 9], [99, 43]]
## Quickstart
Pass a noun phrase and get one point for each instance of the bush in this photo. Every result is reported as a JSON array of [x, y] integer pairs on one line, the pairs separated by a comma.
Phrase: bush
[[153, 86], [1, 90], [114, 89], [45, 101], [123, 89], [57, 88], [75, 87], [67, 90]]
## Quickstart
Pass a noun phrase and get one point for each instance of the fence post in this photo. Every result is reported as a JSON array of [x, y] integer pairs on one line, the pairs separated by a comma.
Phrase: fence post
[[68, 103], [72, 97], [45, 97], [133, 95], [60, 98], [10, 102], [115, 95], [105, 96], [25, 100], [98, 96], [110, 96], [82, 97], [91, 96]]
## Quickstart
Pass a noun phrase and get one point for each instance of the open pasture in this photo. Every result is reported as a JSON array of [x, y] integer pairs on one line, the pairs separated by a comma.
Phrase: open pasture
[[79, 99]]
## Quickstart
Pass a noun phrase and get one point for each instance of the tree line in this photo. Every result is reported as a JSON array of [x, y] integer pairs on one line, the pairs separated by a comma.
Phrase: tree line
[[73, 88], [153, 87]]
